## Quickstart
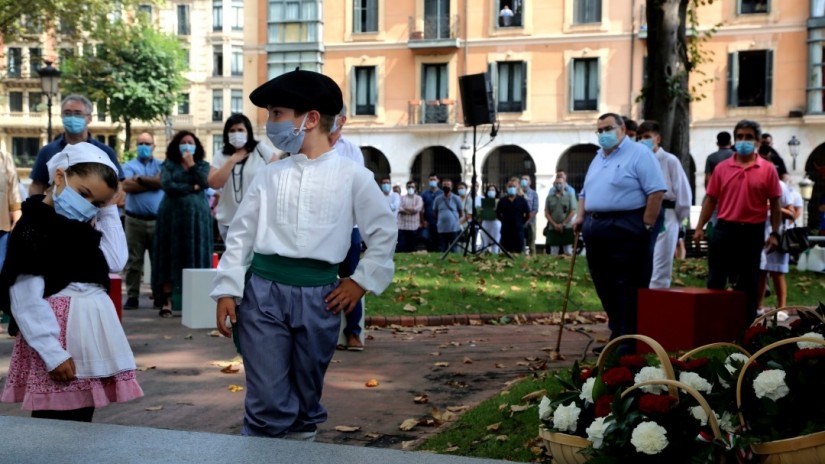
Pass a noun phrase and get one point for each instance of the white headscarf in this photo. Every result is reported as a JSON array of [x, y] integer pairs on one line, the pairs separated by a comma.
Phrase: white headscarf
[[82, 152]]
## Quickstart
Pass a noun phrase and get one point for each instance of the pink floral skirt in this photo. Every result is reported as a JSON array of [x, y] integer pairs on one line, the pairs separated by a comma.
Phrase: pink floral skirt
[[29, 383]]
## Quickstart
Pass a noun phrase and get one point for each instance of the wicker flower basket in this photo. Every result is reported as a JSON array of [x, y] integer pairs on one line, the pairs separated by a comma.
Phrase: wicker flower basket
[[687, 356], [797, 450], [809, 310], [664, 359], [564, 448]]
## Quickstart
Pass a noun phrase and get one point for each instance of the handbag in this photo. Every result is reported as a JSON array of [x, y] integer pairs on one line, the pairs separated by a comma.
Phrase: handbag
[[794, 240]]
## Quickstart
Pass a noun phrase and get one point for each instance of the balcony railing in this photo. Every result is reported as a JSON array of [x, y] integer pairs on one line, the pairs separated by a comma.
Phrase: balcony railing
[[434, 28], [431, 111]]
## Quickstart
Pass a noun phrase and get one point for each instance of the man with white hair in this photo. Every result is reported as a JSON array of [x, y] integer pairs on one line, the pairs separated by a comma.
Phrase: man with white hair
[[76, 114]]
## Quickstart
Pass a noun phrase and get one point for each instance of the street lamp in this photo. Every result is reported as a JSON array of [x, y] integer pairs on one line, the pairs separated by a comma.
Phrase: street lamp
[[806, 191], [793, 147], [50, 84]]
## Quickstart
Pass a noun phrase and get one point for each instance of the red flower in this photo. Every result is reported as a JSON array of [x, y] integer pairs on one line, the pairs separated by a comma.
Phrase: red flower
[[752, 332], [617, 376], [585, 374], [652, 404], [681, 365], [696, 364], [802, 355], [632, 361], [603, 405], [795, 323]]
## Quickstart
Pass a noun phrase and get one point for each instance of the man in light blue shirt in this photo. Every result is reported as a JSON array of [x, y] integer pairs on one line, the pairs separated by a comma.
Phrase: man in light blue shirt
[[618, 215], [143, 196]]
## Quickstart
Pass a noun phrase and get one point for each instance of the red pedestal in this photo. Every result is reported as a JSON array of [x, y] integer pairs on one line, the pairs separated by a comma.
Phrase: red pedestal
[[684, 318], [116, 293]]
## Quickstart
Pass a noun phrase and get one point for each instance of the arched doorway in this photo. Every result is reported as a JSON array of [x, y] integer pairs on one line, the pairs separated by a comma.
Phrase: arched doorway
[[575, 161], [439, 160], [505, 162], [815, 169], [376, 162]]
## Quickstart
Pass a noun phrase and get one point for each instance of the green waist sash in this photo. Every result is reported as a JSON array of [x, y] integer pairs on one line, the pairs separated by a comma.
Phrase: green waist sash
[[298, 272]]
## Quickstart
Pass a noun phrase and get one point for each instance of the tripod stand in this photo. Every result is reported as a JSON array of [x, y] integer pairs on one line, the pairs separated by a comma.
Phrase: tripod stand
[[470, 233]]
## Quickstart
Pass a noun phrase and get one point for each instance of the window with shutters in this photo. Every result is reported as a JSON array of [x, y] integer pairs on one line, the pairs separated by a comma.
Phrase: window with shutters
[[750, 78], [365, 90], [364, 16], [183, 20], [16, 102], [510, 81], [585, 84], [217, 105], [587, 11]]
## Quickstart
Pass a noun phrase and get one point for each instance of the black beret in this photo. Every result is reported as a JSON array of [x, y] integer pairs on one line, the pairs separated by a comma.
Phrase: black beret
[[301, 91]]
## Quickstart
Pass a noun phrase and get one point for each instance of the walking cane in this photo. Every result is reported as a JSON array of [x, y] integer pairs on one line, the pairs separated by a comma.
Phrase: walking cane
[[557, 354]]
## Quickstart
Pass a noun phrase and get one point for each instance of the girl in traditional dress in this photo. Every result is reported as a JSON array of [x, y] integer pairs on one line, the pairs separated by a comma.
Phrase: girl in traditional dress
[[71, 355]]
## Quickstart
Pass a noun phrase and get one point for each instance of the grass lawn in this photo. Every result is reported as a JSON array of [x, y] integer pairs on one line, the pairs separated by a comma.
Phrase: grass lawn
[[426, 285]]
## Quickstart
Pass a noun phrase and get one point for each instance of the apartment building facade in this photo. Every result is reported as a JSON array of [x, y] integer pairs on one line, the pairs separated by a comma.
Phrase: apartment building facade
[[554, 67], [211, 33]]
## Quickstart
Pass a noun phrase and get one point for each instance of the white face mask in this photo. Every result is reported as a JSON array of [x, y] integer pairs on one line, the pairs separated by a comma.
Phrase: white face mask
[[237, 139]]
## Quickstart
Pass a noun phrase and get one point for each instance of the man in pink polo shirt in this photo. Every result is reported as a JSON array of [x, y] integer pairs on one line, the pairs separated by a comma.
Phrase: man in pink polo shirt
[[742, 187]]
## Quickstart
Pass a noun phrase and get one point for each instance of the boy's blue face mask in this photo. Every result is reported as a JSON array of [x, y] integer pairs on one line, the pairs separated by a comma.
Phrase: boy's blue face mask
[[72, 205], [285, 136]]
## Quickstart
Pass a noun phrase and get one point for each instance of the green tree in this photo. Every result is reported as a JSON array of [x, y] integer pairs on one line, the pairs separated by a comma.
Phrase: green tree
[[74, 15], [672, 54], [135, 74]]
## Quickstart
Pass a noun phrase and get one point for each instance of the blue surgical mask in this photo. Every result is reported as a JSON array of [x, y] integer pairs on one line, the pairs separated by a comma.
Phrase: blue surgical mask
[[559, 187], [386, 188], [524, 183], [512, 191], [491, 194], [433, 184], [285, 136], [608, 139], [144, 152], [648, 143], [410, 191], [462, 192], [184, 147], [334, 125], [744, 147], [72, 205], [74, 124]]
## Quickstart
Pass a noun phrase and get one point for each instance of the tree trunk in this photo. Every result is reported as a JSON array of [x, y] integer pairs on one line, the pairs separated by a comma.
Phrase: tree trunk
[[127, 144], [667, 93]]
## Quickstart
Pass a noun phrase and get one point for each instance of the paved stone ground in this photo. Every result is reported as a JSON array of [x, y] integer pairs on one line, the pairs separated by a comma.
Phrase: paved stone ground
[[186, 390]]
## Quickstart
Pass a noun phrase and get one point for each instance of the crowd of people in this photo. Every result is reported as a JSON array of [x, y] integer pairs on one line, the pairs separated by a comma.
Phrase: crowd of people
[[293, 230]]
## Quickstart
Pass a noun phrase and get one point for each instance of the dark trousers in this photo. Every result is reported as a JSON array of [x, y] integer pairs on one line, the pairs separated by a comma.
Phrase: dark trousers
[[734, 254], [433, 238], [446, 239], [620, 259], [407, 241], [345, 269], [77, 415]]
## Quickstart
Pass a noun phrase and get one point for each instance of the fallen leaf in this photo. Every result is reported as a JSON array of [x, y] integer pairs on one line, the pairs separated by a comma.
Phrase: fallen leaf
[[409, 308], [155, 408], [146, 368], [522, 363], [347, 428], [519, 408], [421, 399], [372, 435], [188, 337], [408, 424], [442, 364], [235, 388], [451, 449], [556, 356], [372, 383], [448, 416], [407, 445], [467, 360], [533, 396], [499, 366], [167, 337], [460, 408], [502, 438], [435, 353], [494, 427], [503, 406], [230, 369], [515, 288]]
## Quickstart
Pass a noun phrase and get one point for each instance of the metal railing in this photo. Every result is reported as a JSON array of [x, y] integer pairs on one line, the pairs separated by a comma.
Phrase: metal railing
[[432, 111], [430, 28]]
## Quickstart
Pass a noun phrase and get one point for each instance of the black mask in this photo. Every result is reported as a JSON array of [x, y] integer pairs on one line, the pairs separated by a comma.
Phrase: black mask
[[446, 189]]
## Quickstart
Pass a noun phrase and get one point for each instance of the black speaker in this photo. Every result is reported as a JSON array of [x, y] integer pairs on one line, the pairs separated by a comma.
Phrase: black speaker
[[477, 99]]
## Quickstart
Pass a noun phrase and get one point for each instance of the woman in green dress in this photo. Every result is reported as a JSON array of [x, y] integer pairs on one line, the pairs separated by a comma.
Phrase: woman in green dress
[[183, 231]]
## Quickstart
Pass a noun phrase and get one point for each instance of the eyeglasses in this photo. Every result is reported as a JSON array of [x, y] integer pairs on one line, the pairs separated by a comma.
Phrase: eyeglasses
[[74, 113], [605, 129]]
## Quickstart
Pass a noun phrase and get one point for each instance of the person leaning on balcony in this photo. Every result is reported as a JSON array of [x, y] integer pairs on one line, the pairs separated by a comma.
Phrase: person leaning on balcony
[[76, 114], [505, 16], [10, 201]]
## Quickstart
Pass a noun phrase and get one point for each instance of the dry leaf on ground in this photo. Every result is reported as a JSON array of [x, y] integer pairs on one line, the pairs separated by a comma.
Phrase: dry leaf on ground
[[155, 408], [494, 427], [188, 337], [533, 396], [460, 408], [372, 435], [230, 369], [372, 383], [451, 449], [442, 364], [499, 366], [519, 408], [467, 360], [409, 308], [146, 368], [408, 424], [347, 428], [235, 388], [502, 438], [421, 399]]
